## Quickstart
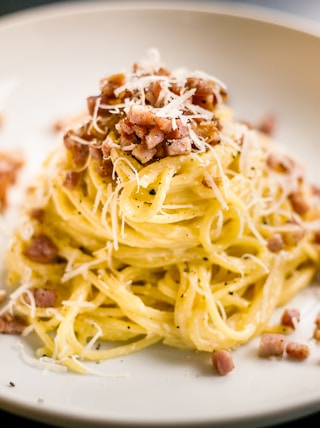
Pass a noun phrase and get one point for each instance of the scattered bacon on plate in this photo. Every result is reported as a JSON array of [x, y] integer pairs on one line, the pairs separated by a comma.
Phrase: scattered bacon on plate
[[316, 332], [268, 124], [298, 351], [290, 317], [11, 325], [276, 345], [222, 361], [272, 345], [10, 164]]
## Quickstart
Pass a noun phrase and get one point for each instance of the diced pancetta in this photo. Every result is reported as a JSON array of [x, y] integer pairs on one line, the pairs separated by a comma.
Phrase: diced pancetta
[[41, 249], [272, 345], [290, 317], [222, 361], [298, 351]]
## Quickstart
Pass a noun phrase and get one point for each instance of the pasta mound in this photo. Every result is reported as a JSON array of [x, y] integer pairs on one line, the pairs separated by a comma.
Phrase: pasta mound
[[160, 219]]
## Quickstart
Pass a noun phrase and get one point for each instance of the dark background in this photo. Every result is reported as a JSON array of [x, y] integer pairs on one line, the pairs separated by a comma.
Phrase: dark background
[[309, 9], [9, 6]]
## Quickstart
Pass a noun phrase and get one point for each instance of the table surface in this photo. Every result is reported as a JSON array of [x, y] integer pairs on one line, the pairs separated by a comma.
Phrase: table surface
[[308, 9]]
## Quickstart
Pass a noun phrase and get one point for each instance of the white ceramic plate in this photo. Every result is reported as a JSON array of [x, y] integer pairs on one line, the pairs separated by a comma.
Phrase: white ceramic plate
[[51, 59]]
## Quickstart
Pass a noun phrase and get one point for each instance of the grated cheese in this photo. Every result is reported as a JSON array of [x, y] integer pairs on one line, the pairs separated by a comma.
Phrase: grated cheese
[[94, 123], [81, 269], [216, 190], [93, 340], [97, 201], [44, 363]]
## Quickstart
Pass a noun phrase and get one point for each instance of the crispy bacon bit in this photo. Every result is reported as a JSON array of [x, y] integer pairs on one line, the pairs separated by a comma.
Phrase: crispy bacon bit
[[275, 242], [164, 124], [268, 124], [37, 213], [316, 333], [153, 93], [315, 189], [41, 250], [140, 115], [106, 148], [91, 103], [162, 71], [44, 297], [9, 167], [77, 141], [272, 345], [71, 180], [2, 295], [222, 361], [282, 163], [317, 320], [154, 137], [146, 132], [205, 94], [290, 317], [179, 146], [317, 238], [299, 203], [58, 125], [298, 351], [179, 131], [11, 325], [111, 83], [79, 152], [104, 168], [209, 131], [202, 86], [96, 152], [142, 153], [291, 235], [275, 163]]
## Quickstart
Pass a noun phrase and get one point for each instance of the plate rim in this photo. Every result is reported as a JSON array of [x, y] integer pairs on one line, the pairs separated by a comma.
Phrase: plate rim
[[229, 8]]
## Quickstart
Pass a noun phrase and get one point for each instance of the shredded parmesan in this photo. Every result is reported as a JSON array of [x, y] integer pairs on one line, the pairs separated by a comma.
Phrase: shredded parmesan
[[94, 339], [43, 363]]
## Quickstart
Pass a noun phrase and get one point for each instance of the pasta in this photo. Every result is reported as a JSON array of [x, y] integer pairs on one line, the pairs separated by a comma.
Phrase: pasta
[[160, 219]]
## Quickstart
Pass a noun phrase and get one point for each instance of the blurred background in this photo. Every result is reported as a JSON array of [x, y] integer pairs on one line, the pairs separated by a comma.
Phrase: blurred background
[[309, 9]]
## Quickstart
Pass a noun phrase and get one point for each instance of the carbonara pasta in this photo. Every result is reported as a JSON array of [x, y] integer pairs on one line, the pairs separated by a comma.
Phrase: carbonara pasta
[[160, 219]]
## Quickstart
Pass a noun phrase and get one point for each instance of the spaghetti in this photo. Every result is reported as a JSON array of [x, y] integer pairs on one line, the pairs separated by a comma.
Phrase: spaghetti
[[160, 219]]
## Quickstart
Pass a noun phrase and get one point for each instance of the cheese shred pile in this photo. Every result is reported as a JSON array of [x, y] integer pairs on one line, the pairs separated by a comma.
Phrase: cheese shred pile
[[160, 219]]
